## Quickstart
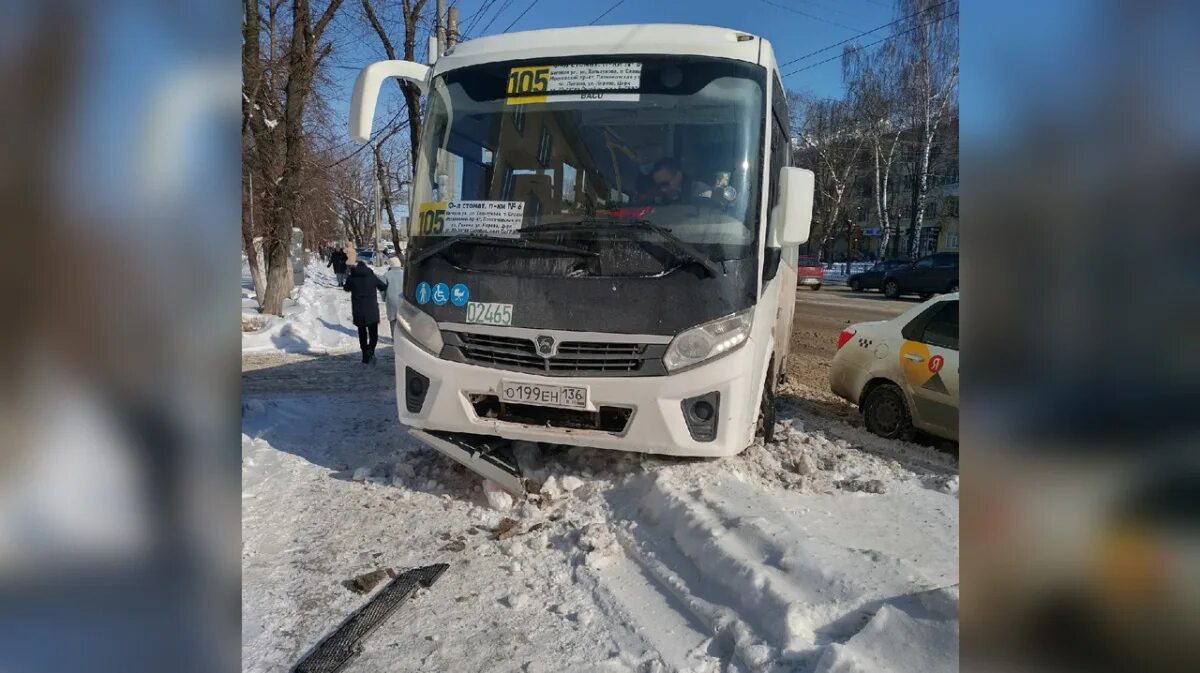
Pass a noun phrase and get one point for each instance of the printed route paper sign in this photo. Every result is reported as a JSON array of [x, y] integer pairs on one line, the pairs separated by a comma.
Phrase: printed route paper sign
[[480, 218], [540, 83]]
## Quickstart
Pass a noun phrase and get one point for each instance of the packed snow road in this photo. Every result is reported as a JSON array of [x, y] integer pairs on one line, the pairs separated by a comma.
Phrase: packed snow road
[[832, 550]]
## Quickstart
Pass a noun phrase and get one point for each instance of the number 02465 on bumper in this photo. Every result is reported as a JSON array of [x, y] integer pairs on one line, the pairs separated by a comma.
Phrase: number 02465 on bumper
[[570, 397]]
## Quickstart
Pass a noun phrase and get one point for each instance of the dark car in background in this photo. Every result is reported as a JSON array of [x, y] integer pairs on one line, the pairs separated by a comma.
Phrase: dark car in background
[[872, 279], [810, 273], [926, 277]]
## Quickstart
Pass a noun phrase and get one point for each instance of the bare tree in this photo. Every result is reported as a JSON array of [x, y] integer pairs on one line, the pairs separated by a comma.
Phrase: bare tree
[[280, 157], [352, 194], [831, 145], [411, 14], [256, 103], [385, 190], [927, 44], [872, 79]]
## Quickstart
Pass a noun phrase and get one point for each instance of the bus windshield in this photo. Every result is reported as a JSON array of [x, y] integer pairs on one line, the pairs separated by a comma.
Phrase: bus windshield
[[555, 151]]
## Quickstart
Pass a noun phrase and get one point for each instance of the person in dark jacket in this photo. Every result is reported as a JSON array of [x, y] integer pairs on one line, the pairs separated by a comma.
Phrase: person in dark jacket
[[337, 259], [362, 284]]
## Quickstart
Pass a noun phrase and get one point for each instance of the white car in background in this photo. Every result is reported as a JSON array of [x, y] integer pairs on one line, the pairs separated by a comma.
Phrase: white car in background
[[903, 373]]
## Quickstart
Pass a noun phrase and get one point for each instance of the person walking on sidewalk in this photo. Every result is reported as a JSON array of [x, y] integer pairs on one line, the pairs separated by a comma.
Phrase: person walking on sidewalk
[[337, 260], [362, 284], [394, 278]]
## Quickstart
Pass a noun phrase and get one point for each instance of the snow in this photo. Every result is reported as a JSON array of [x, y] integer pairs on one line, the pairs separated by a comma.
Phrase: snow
[[912, 635], [774, 560], [316, 319], [497, 498]]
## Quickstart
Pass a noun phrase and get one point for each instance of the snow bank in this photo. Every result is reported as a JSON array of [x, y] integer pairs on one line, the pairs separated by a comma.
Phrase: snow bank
[[899, 640], [315, 320], [776, 574], [830, 550]]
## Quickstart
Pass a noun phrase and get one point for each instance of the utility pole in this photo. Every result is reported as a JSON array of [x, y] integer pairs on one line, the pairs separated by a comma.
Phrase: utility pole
[[441, 27], [452, 27]]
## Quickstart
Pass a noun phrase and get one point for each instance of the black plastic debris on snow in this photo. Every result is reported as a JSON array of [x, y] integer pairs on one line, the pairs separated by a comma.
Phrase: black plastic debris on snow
[[341, 646]]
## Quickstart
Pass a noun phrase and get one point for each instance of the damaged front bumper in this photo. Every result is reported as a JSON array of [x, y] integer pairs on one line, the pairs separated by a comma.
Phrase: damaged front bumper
[[647, 414], [489, 457]]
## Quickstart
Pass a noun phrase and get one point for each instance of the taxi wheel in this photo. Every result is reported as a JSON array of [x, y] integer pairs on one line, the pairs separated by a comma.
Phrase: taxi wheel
[[891, 289], [886, 414], [816, 287]]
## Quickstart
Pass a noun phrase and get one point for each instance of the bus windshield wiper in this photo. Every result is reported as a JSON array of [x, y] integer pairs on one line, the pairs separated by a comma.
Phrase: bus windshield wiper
[[682, 248], [497, 241]]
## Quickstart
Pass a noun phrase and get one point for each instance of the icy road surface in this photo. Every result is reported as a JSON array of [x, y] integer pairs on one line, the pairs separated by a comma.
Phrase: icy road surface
[[833, 550]]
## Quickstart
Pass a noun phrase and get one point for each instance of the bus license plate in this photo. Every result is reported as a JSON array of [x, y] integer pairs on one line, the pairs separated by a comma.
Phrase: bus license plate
[[570, 397]]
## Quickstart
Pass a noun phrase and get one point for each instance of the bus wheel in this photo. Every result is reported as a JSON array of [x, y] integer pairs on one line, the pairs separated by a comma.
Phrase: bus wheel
[[766, 408]]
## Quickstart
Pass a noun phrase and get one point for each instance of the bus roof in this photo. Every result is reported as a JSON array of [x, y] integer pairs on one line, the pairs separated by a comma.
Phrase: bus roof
[[645, 38]]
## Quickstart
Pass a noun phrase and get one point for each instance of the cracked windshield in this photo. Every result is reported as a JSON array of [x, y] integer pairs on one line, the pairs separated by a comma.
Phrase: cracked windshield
[[633, 167]]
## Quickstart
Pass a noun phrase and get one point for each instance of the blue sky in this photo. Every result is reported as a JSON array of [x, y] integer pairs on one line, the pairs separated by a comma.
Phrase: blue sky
[[792, 33], [788, 24]]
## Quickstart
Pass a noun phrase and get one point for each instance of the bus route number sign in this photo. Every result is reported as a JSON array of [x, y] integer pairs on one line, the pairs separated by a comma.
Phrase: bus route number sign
[[528, 81], [431, 220]]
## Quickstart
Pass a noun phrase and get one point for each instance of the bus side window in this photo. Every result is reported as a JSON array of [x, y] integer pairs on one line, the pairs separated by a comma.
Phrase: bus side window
[[780, 157]]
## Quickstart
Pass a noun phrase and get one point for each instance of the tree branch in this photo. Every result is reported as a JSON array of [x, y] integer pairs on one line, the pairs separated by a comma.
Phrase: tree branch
[[374, 21]]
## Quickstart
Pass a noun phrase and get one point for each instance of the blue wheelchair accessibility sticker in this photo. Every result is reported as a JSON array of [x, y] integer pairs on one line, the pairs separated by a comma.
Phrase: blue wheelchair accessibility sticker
[[423, 293], [459, 294], [441, 294]]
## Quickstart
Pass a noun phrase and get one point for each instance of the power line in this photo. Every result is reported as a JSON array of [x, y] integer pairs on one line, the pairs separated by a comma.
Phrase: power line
[[514, 21], [475, 18], [872, 44], [811, 16], [496, 16], [873, 30], [374, 137], [614, 6]]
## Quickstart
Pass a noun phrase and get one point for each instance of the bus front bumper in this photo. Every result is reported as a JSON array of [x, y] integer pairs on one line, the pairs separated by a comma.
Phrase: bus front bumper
[[459, 397]]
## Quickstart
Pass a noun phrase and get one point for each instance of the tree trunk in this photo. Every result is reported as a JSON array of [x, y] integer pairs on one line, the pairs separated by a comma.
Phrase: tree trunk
[[885, 201], [256, 274], [279, 277], [385, 195], [922, 191]]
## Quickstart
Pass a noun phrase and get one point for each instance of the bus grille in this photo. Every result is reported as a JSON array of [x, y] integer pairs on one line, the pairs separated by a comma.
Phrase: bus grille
[[573, 358]]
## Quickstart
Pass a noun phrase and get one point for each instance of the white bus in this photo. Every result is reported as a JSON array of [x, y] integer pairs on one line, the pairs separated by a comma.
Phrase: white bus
[[602, 244]]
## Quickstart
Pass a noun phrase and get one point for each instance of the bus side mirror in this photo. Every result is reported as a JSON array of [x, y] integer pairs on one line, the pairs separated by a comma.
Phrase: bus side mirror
[[793, 213], [366, 91]]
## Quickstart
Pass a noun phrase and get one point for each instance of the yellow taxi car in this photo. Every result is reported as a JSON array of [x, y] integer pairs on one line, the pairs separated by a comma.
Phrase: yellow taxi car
[[903, 373]]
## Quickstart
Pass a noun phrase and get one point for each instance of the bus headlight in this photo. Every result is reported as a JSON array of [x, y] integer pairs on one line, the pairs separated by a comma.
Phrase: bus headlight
[[419, 327], [707, 341]]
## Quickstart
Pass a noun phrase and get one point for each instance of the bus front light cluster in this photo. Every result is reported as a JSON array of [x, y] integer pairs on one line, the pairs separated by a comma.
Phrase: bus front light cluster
[[419, 326], [707, 341]]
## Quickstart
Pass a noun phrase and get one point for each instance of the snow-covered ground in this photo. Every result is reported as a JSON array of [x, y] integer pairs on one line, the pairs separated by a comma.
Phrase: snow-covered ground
[[833, 550], [316, 318]]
